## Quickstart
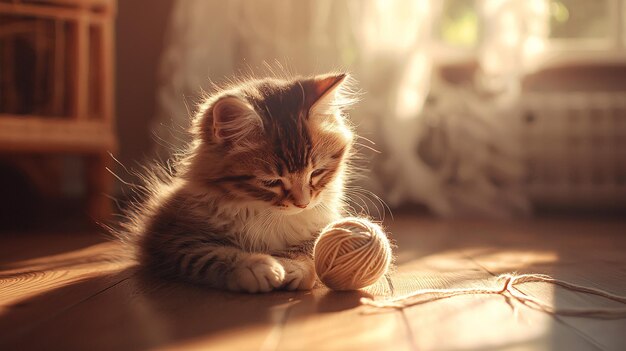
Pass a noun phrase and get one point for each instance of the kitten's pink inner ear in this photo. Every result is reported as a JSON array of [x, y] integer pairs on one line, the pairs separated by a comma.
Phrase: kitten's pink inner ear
[[326, 84], [233, 118]]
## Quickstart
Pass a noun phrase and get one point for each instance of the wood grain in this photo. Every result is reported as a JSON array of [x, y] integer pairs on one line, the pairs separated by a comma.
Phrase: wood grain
[[589, 254], [71, 292]]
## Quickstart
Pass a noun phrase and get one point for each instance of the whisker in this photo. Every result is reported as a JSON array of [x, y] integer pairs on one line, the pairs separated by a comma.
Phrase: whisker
[[368, 147], [354, 190], [366, 139]]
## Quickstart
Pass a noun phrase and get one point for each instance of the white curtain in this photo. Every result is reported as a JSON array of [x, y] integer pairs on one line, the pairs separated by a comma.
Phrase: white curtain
[[458, 155]]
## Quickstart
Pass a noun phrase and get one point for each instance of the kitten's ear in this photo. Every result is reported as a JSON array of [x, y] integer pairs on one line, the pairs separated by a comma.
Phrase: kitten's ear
[[323, 92], [234, 119]]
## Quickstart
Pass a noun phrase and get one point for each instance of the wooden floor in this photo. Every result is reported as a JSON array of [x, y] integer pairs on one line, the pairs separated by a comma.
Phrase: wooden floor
[[64, 291]]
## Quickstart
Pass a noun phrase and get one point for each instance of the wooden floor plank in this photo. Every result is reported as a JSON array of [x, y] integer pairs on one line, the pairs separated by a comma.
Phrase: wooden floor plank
[[474, 321], [37, 289], [141, 313], [77, 298], [330, 320], [581, 255], [23, 279], [19, 248]]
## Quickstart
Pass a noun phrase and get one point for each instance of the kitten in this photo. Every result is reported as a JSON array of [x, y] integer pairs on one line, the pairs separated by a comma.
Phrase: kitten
[[263, 175]]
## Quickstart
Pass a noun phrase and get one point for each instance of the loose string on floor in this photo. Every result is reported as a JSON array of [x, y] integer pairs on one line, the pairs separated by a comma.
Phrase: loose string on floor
[[507, 287]]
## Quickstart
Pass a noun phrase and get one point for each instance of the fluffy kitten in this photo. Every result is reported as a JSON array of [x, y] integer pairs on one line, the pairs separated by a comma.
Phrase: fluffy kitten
[[263, 175]]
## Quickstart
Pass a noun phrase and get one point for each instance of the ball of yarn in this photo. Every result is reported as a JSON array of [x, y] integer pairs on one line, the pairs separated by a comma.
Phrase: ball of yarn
[[351, 253]]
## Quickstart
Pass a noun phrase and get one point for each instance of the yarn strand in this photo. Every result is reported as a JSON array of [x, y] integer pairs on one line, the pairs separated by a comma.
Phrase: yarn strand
[[508, 287]]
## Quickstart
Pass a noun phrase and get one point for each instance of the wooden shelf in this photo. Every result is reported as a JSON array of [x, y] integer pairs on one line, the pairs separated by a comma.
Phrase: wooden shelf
[[45, 134], [71, 108]]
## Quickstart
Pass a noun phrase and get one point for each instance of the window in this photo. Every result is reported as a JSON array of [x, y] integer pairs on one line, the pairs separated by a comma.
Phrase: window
[[576, 30], [580, 19], [586, 31], [458, 24]]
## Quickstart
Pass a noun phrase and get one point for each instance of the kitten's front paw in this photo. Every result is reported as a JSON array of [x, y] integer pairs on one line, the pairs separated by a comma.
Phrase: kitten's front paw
[[299, 274], [257, 273]]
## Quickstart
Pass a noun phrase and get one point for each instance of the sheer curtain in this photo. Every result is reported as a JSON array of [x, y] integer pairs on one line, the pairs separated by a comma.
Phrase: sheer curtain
[[458, 156]]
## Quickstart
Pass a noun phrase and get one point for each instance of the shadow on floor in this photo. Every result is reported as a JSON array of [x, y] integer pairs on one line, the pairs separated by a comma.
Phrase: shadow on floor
[[131, 310]]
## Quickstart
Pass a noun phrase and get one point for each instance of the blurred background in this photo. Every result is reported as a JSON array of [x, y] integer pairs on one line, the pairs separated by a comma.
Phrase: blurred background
[[477, 108]]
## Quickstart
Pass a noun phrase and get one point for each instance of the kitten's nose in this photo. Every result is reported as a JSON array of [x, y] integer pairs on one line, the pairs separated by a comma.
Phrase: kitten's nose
[[300, 195]]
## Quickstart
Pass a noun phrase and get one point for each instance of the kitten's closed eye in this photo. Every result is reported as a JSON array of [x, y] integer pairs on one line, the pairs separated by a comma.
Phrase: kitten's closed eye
[[315, 176], [317, 172]]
